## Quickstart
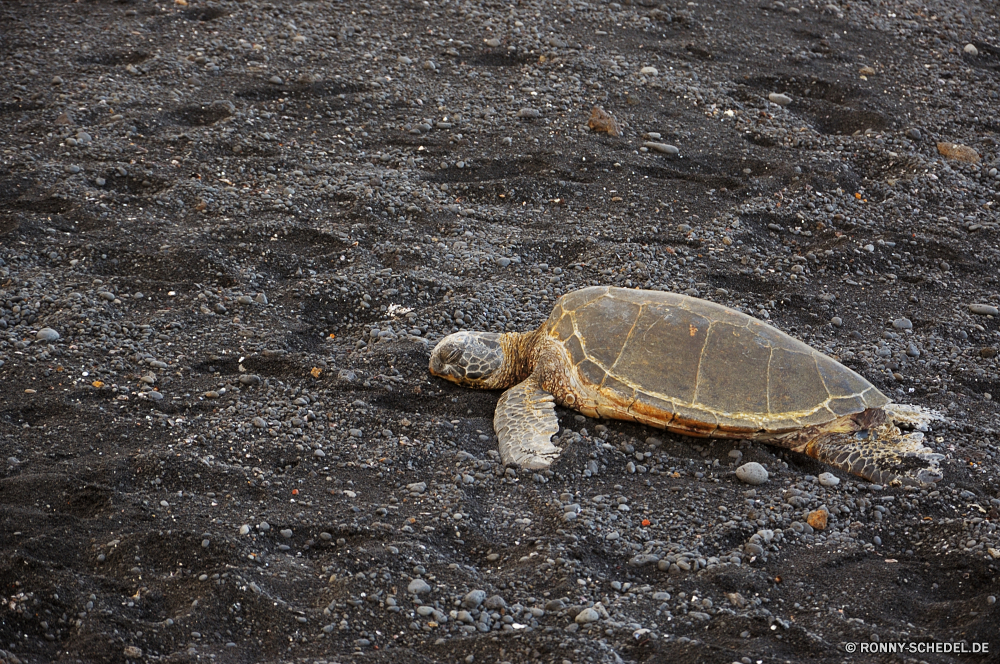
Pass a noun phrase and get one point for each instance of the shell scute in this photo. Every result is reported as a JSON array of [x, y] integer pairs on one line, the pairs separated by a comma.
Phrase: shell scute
[[604, 326], [662, 354], [722, 380], [793, 382]]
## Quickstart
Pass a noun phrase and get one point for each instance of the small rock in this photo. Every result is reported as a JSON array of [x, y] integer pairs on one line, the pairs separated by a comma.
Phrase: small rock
[[276, 80], [971, 50], [649, 71], [601, 120], [47, 334], [473, 599], [984, 309], [417, 487], [779, 99], [665, 148], [418, 587], [828, 480], [529, 113], [752, 473], [958, 152], [866, 71], [837, 321], [587, 616], [913, 134], [817, 519], [495, 603], [902, 324]]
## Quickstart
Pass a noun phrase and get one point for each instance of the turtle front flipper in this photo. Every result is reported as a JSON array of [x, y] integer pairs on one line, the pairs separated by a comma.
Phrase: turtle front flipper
[[880, 454], [525, 422]]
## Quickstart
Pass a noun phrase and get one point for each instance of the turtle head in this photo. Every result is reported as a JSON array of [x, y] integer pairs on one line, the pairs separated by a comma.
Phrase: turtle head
[[471, 359]]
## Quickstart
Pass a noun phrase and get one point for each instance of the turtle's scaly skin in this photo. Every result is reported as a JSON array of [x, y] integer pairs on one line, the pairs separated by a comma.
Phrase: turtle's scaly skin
[[691, 366]]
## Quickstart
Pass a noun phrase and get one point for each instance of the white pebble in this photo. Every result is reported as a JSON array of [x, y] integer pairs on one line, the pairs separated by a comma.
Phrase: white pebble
[[752, 473], [649, 71], [971, 50], [828, 479], [779, 99]]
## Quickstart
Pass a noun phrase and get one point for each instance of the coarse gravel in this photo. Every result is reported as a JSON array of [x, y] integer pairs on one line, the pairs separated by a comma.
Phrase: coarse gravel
[[231, 231]]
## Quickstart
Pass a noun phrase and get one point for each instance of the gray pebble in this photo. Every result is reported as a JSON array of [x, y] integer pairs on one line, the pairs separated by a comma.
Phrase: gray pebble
[[47, 334], [417, 487], [259, 422], [286, 533], [902, 324], [587, 616], [495, 603], [913, 134], [276, 80], [837, 321], [779, 99], [752, 473], [418, 587], [529, 113], [473, 599], [984, 309], [665, 148]]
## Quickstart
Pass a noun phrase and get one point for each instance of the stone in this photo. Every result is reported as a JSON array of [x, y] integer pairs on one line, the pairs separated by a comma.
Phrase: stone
[[984, 309], [817, 519], [587, 616], [418, 587], [665, 148], [47, 334], [958, 152], [970, 49], [649, 71], [752, 473], [828, 480], [779, 99], [473, 599], [601, 120]]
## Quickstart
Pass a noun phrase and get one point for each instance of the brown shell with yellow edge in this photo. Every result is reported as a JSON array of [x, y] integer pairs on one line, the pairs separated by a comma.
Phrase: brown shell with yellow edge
[[697, 367]]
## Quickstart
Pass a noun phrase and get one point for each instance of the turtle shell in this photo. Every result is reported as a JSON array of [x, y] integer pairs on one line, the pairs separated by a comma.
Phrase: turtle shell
[[694, 366]]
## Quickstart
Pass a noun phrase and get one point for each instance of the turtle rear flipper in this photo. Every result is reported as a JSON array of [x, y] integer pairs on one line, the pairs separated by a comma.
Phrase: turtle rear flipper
[[525, 422], [881, 455]]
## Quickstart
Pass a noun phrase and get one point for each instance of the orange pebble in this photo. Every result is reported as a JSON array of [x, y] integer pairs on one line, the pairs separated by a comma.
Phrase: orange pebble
[[817, 519]]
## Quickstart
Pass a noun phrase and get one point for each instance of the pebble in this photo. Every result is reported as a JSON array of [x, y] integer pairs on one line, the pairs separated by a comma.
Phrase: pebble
[[473, 599], [971, 50], [418, 587], [837, 321], [913, 134], [958, 152], [529, 113], [665, 148], [649, 71], [276, 80], [828, 480], [587, 616], [47, 334], [752, 473], [984, 309], [902, 324], [779, 99], [817, 519]]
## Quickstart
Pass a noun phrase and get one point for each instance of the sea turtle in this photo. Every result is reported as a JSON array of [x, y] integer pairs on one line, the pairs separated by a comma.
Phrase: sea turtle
[[689, 366]]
